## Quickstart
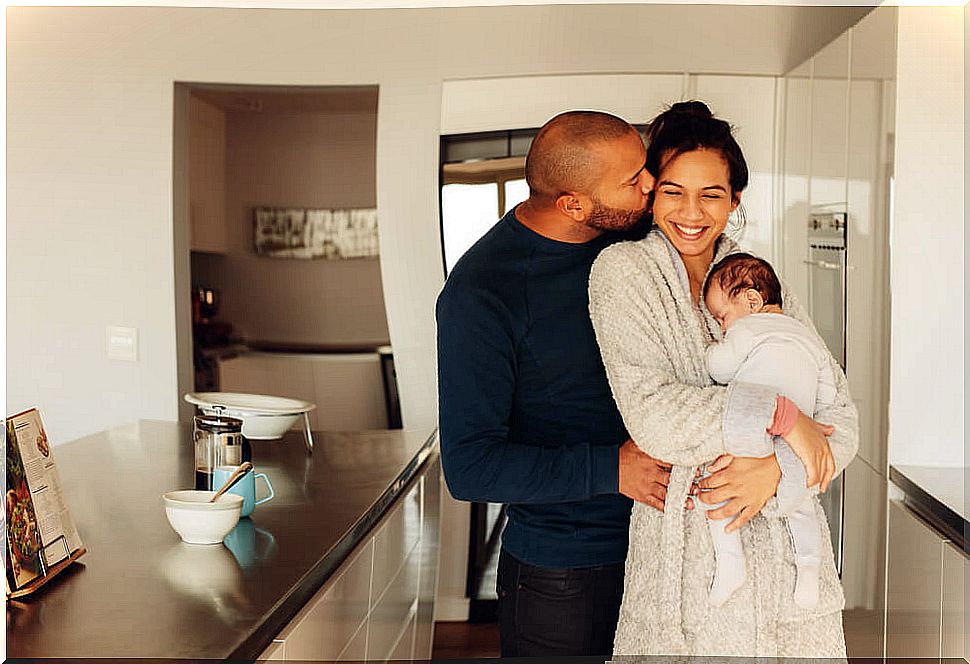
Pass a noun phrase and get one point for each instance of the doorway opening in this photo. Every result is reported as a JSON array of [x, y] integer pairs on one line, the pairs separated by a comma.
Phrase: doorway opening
[[277, 264]]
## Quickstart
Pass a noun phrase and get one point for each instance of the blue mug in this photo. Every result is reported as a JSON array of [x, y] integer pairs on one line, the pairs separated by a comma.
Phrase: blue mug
[[246, 487], [250, 545]]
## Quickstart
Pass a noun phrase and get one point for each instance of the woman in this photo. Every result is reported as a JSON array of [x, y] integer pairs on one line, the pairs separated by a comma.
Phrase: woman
[[653, 328]]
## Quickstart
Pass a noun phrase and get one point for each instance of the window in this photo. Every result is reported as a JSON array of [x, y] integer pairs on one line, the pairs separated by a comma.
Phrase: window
[[516, 191], [467, 212], [482, 178]]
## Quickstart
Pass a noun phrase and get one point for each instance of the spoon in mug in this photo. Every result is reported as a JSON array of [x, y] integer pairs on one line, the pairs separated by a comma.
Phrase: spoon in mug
[[235, 477]]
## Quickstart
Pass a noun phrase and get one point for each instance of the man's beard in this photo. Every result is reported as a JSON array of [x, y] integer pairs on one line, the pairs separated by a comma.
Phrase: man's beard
[[606, 218]]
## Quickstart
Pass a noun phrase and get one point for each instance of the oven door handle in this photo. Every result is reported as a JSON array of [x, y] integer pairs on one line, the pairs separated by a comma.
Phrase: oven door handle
[[825, 265]]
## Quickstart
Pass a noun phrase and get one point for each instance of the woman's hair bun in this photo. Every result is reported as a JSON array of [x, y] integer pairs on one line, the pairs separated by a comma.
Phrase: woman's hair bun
[[692, 108], [690, 125]]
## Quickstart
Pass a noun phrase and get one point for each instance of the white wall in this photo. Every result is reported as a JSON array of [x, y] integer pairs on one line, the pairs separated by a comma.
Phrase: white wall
[[926, 424], [526, 102]]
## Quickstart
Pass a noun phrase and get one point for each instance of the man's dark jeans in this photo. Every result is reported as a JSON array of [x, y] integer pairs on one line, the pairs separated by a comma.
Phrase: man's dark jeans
[[547, 611]]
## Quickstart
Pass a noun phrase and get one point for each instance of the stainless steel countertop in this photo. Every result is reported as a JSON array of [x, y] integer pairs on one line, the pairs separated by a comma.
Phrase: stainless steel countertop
[[947, 485], [140, 592], [939, 495]]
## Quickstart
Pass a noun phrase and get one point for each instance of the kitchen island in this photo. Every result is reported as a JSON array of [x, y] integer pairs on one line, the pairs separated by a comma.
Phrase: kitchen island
[[341, 563], [928, 563], [938, 495]]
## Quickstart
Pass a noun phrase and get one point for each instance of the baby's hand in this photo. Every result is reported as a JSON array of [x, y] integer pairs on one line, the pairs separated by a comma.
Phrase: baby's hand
[[809, 441]]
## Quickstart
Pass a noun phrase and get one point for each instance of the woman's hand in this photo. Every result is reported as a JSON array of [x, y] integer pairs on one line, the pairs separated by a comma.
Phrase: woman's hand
[[745, 482], [808, 439]]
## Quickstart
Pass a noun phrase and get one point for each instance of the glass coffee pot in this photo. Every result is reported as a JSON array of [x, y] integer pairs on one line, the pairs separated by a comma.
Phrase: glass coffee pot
[[218, 442]]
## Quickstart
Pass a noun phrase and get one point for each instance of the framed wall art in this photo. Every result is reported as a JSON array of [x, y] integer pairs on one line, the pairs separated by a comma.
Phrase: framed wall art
[[316, 232]]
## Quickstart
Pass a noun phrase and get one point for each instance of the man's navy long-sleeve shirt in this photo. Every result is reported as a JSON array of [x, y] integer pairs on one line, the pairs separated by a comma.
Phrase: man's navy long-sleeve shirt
[[526, 414]]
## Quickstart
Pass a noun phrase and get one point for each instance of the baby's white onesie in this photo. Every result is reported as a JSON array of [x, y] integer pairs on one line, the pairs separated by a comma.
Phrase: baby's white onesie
[[777, 351]]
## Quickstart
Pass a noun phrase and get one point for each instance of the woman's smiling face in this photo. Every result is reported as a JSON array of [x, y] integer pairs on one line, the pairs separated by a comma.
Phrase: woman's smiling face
[[693, 200]]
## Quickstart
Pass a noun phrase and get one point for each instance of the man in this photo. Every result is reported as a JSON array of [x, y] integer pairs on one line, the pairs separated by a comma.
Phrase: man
[[526, 413]]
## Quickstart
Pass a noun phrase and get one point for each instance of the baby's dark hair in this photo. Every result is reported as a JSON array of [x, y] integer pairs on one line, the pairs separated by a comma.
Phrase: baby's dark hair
[[739, 272]]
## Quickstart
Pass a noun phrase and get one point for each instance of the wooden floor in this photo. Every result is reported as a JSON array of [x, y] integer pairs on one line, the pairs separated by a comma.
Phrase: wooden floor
[[464, 640]]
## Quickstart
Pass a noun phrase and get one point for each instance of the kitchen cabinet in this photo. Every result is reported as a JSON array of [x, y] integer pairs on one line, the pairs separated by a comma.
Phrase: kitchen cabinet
[[863, 559], [796, 166], [871, 124], [956, 576], [275, 653], [330, 620], [347, 388], [379, 605], [837, 124], [393, 611], [356, 650], [207, 177], [395, 542], [403, 649], [915, 577], [427, 582], [830, 98]]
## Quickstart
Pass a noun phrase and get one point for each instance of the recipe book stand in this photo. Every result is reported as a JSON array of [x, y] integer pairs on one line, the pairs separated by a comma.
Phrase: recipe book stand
[[48, 572]]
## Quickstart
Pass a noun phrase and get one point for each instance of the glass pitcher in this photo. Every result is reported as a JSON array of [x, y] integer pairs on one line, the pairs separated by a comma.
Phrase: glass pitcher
[[218, 442]]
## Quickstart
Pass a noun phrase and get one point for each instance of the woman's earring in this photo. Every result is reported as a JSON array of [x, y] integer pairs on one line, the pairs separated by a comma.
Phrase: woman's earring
[[737, 220]]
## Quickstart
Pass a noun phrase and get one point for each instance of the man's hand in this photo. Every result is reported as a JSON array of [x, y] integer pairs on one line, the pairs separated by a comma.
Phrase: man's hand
[[746, 482], [642, 477], [808, 439]]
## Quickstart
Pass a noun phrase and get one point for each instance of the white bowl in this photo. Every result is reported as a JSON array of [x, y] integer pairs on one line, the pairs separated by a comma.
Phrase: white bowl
[[204, 571], [260, 427], [264, 417], [196, 520]]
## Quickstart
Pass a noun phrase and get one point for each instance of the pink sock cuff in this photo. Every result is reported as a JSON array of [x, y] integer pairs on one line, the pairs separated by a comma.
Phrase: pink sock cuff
[[786, 412]]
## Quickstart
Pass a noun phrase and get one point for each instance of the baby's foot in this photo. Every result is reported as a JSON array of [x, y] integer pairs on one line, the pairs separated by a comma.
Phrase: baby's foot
[[728, 576], [806, 584]]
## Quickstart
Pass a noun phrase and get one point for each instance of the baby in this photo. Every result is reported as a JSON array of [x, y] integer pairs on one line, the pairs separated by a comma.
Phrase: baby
[[764, 346]]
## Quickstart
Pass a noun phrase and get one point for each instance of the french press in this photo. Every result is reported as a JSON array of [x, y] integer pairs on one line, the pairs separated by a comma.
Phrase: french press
[[218, 442]]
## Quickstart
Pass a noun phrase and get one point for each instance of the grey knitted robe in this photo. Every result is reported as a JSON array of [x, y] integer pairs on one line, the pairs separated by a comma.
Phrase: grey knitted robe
[[652, 339]]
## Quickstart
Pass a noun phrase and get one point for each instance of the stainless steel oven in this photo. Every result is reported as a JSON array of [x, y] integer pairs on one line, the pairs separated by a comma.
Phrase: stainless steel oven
[[826, 266], [826, 283]]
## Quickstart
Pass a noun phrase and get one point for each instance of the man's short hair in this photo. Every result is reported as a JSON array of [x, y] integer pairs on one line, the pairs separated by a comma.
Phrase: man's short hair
[[561, 160]]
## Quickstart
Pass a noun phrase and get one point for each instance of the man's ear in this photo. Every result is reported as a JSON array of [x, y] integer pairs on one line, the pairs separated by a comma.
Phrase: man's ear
[[754, 300], [574, 206]]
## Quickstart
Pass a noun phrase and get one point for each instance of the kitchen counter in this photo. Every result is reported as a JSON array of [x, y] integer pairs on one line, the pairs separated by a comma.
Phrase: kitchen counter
[[241, 347], [938, 495], [141, 593]]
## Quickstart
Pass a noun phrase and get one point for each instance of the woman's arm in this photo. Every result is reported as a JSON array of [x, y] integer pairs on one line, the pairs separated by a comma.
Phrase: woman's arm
[[637, 327]]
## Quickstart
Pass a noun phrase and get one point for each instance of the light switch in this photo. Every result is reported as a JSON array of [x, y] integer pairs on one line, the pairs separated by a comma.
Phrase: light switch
[[122, 343]]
